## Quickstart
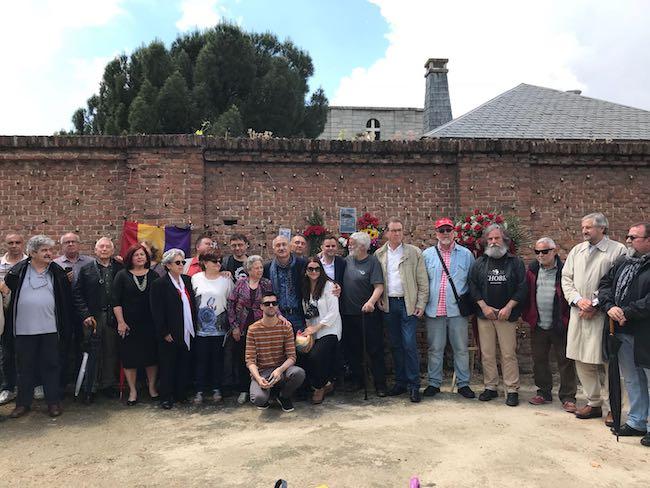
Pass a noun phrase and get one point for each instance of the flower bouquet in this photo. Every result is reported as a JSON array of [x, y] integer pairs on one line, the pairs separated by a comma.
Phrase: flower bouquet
[[315, 232], [369, 224], [469, 229]]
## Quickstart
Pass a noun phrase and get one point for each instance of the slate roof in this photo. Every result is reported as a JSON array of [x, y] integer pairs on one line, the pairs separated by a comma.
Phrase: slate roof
[[534, 112]]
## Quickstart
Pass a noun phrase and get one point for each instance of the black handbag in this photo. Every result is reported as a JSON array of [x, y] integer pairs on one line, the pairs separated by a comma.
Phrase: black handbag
[[465, 304]]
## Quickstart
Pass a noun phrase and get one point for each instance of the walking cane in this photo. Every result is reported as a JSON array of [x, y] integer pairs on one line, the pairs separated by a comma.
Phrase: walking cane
[[364, 360]]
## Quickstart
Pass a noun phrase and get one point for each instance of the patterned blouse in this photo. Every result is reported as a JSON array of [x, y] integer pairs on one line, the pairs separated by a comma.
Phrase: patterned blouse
[[240, 303]]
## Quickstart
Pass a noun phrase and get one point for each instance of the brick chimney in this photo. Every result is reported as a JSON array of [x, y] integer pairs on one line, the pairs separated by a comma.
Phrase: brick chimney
[[437, 106]]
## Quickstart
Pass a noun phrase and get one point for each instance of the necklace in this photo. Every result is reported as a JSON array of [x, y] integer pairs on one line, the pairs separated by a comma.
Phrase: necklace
[[141, 286]]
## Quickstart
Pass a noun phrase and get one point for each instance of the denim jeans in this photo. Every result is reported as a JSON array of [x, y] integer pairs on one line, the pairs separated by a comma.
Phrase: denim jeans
[[403, 343], [437, 330], [636, 383], [647, 379]]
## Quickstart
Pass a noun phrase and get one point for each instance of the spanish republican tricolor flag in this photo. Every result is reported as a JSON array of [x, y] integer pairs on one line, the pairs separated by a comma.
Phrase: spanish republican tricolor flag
[[162, 238]]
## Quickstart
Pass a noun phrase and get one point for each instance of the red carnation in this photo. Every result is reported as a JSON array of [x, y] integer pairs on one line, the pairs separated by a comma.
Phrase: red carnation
[[458, 228], [480, 218], [467, 226], [470, 240], [468, 219], [499, 219], [476, 211], [490, 216]]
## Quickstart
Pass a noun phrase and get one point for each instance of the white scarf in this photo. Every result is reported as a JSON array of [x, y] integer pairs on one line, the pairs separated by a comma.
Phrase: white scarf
[[188, 325]]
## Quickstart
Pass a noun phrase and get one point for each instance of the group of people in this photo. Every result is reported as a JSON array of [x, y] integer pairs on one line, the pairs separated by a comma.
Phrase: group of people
[[306, 324]]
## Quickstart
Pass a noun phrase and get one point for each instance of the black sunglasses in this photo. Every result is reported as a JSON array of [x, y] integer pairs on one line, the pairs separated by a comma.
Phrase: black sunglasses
[[313, 268], [180, 263], [269, 304], [445, 230], [542, 251], [632, 238]]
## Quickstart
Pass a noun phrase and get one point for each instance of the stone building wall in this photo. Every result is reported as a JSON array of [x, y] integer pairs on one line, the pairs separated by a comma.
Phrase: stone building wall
[[394, 123]]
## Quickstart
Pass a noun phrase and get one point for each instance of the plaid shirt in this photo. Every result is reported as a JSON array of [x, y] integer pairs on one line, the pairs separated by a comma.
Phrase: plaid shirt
[[442, 294]]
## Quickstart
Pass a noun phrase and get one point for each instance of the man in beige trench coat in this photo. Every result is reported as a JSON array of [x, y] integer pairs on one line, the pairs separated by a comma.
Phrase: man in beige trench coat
[[585, 265]]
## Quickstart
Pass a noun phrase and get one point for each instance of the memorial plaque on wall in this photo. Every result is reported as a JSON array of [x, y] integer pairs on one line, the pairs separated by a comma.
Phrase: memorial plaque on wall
[[347, 220]]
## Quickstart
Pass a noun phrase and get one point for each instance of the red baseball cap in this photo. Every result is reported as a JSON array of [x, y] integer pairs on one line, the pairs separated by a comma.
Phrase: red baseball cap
[[442, 222]]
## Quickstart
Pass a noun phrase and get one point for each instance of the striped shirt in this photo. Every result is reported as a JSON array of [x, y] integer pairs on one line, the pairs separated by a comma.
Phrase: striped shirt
[[268, 346], [545, 296], [442, 294]]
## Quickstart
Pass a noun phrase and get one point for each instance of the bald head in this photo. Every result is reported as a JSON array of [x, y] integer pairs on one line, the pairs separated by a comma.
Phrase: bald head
[[281, 248]]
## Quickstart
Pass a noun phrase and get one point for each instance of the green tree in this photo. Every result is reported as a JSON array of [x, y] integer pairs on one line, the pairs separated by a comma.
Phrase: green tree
[[143, 113], [228, 124], [174, 105], [205, 76]]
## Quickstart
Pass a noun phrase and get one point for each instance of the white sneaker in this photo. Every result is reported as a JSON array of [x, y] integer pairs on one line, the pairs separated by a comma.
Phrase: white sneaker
[[242, 398], [216, 396], [198, 398], [39, 394], [7, 395]]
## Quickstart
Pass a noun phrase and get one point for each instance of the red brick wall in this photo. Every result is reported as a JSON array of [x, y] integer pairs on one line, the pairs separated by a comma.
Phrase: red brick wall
[[92, 184]]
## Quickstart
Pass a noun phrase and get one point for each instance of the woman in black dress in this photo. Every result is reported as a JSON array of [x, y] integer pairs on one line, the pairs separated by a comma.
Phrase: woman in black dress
[[138, 346]]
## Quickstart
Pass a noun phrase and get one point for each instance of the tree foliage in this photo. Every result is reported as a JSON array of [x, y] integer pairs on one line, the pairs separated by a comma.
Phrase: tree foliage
[[224, 77]]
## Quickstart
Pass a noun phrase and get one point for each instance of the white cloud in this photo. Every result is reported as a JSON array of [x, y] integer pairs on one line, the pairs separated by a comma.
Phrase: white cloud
[[39, 90], [199, 14], [598, 47]]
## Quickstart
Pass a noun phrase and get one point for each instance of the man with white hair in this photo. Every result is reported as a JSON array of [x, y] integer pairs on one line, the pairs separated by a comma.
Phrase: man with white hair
[[38, 320], [363, 286], [92, 295], [71, 259], [547, 313], [585, 265], [497, 283]]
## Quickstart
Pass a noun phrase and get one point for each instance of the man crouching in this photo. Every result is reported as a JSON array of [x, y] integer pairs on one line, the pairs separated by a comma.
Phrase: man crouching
[[271, 358]]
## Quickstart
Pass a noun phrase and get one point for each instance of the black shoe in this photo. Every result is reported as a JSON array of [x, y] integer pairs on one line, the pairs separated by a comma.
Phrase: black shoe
[[264, 406], [645, 441], [381, 391], [512, 399], [130, 403], [415, 395], [627, 431], [396, 390], [466, 392], [285, 403], [166, 405], [431, 391], [488, 395]]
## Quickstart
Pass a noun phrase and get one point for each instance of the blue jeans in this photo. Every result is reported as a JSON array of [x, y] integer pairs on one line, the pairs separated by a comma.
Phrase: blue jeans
[[636, 384], [647, 379], [401, 331], [437, 329]]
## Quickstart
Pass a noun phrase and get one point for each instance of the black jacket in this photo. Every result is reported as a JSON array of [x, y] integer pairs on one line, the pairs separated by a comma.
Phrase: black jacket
[[86, 291], [517, 289], [636, 307], [62, 298], [339, 269], [167, 307]]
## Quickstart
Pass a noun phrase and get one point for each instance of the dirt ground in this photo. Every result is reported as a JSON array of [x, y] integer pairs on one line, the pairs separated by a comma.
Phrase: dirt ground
[[346, 442]]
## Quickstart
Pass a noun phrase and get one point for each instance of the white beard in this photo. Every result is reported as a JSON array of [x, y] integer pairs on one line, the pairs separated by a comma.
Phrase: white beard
[[496, 252]]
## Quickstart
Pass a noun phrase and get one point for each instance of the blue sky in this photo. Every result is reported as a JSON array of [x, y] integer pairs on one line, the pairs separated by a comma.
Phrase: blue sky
[[365, 52]]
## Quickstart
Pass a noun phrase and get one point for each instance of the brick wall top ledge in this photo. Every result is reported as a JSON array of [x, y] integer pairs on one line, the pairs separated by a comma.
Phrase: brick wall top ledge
[[311, 146]]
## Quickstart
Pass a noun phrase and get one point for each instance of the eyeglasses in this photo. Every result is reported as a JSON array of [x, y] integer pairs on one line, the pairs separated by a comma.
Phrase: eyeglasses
[[445, 230], [543, 251], [632, 238], [312, 269], [180, 263], [269, 304]]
